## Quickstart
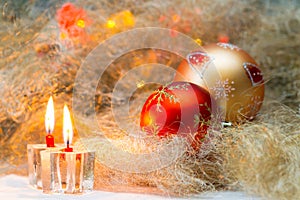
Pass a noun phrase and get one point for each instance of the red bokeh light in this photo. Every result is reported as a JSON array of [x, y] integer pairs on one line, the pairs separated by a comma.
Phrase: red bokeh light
[[72, 22]]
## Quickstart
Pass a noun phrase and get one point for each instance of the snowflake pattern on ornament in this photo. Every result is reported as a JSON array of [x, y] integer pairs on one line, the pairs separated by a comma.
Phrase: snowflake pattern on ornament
[[199, 62], [253, 107], [228, 46], [164, 92], [179, 87], [223, 89]]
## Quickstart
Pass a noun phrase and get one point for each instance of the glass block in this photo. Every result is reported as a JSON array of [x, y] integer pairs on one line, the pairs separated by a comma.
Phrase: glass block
[[34, 162], [67, 172]]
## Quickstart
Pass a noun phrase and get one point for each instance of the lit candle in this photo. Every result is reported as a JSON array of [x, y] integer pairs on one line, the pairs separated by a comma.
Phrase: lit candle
[[64, 170], [34, 150], [67, 130], [49, 123]]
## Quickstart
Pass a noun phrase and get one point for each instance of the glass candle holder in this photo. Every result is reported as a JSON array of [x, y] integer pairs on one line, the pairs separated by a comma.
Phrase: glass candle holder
[[67, 172], [34, 162]]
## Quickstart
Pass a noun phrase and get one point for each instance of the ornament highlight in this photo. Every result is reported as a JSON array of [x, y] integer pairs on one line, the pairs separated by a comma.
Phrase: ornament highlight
[[238, 85], [180, 108]]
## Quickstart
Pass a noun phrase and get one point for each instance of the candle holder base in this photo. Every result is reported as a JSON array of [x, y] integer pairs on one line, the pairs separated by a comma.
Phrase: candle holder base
[[34, 163], [67, 172]]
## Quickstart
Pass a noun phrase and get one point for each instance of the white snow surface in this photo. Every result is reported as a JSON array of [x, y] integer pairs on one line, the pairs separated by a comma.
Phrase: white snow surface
[[17, 187]]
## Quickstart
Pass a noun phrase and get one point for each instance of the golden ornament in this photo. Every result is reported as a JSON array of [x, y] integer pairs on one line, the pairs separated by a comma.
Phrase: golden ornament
[[231, 75]]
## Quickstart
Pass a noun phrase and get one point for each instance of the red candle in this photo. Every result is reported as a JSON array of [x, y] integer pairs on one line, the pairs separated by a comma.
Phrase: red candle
[[67, 130], [49, 123], [68, 148], [49, 140]]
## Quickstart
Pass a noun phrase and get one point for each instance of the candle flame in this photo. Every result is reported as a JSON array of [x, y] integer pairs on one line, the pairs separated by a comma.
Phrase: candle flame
[[49, 117], [67, 126]]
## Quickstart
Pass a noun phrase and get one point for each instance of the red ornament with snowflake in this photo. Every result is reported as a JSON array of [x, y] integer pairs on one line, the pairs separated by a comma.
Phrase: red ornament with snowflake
[[180, 108]]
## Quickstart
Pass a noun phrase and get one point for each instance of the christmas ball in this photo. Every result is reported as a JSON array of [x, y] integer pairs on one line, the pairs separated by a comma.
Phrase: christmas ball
[[180, 108], [232, 77]]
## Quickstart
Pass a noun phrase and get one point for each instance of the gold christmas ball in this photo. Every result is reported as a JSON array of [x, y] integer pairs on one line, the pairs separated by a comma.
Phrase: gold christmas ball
[[232, 77]]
